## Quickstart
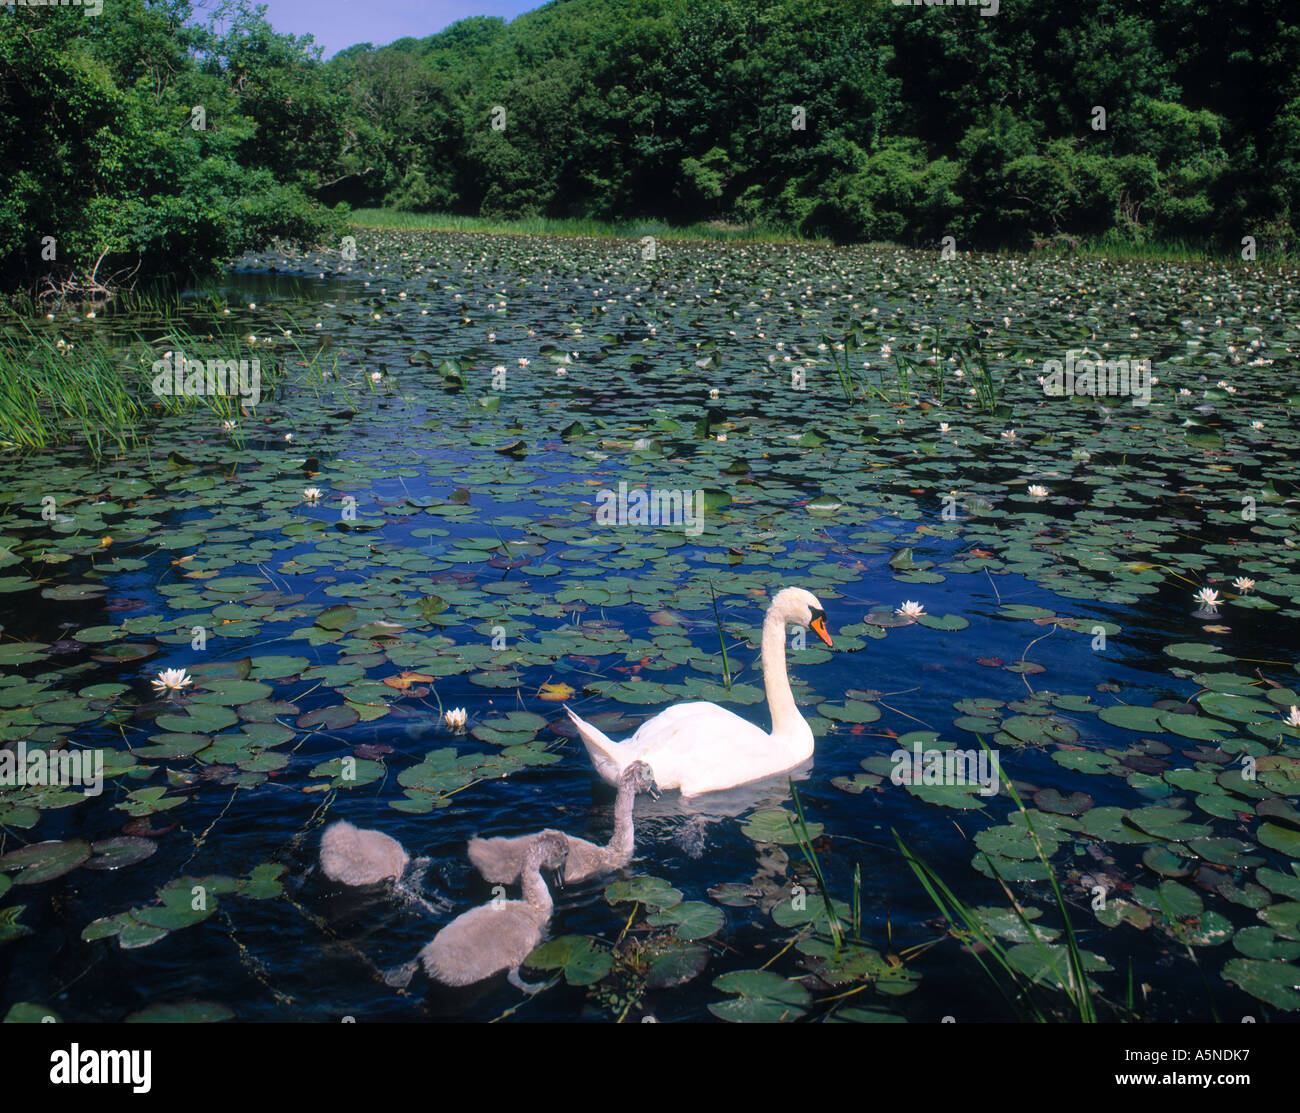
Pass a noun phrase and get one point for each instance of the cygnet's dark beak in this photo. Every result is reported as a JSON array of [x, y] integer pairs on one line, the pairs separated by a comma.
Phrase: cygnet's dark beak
[[653, 790]]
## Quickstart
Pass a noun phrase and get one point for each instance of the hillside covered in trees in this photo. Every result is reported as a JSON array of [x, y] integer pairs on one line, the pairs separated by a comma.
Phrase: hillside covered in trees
[[855, 119], [917, 122]]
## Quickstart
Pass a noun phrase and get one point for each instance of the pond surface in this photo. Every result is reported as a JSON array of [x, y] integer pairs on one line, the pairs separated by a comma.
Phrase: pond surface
[[844, 418]]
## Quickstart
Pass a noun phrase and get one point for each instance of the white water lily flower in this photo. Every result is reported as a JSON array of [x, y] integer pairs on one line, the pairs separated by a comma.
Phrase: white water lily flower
[[1257, 425], [1293, 720], [455, 718], [1008, 434], [910, 609], [312, 494], [1038, 490], [1208, 596], [523, 362], [943, 427], [713, 392], [227, 426], [375, 376], [1243, 584], [172, 680]]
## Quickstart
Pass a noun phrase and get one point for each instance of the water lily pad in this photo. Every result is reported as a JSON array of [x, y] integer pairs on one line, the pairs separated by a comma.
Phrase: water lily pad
[[677, 966], [1039, 731], [120, 851], [328, 718], [1263, 943], [777, 827], [735, 895], [1277, 983], [803, 908], [1199, 652], [182, 1012], [1277, 837], [26, 1012], [1049, 963], [1132, 717], [11, 927], [582, 962], [44, 861], [1283, 918], [198, 718], [762, 998], [853, 711], [653, 892], [1051, 800], [691, 920]]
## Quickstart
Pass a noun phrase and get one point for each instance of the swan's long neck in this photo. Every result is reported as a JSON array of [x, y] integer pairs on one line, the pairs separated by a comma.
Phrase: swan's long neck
[[786, 720], [619, 850], [536, 894]]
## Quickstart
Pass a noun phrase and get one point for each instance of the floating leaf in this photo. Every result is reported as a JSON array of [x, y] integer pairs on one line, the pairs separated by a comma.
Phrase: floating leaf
[[123, 850], [581, 960], [44, 861], [653, 892], [691, 920], [1274, 982], [776, 827], [763, 997], [182, 1012]]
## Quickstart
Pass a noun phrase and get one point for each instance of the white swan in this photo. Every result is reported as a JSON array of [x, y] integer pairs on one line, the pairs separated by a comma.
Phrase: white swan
[[701, 747], [356, 856], [498, 935], [501, 860]]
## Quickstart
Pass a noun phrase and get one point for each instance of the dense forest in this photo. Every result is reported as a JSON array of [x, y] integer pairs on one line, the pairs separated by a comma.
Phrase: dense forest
[[143, 142]]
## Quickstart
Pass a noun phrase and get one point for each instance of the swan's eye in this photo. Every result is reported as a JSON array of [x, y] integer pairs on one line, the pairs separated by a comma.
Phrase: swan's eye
[[817, 624]]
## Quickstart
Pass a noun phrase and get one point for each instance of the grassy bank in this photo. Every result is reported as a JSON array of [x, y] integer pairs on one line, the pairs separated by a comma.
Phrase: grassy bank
[[1108, 246], [547, 226]]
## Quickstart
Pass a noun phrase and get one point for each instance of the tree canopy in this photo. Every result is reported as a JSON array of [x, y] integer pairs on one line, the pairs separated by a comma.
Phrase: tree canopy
[[149, 144]]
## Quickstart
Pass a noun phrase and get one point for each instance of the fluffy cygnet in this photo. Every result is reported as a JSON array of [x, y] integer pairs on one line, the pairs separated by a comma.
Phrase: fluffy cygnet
[[500, 934], [356, 856], [500, 860]]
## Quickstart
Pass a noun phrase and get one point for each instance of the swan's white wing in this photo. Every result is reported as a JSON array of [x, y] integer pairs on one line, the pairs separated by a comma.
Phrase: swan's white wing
[[701, 747]]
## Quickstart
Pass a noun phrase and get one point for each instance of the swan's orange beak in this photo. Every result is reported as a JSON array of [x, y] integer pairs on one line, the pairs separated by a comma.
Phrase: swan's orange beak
[[819, 628]]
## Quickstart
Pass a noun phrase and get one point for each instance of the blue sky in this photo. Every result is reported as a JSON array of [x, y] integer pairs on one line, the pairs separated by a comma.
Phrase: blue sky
[[340, 23]]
